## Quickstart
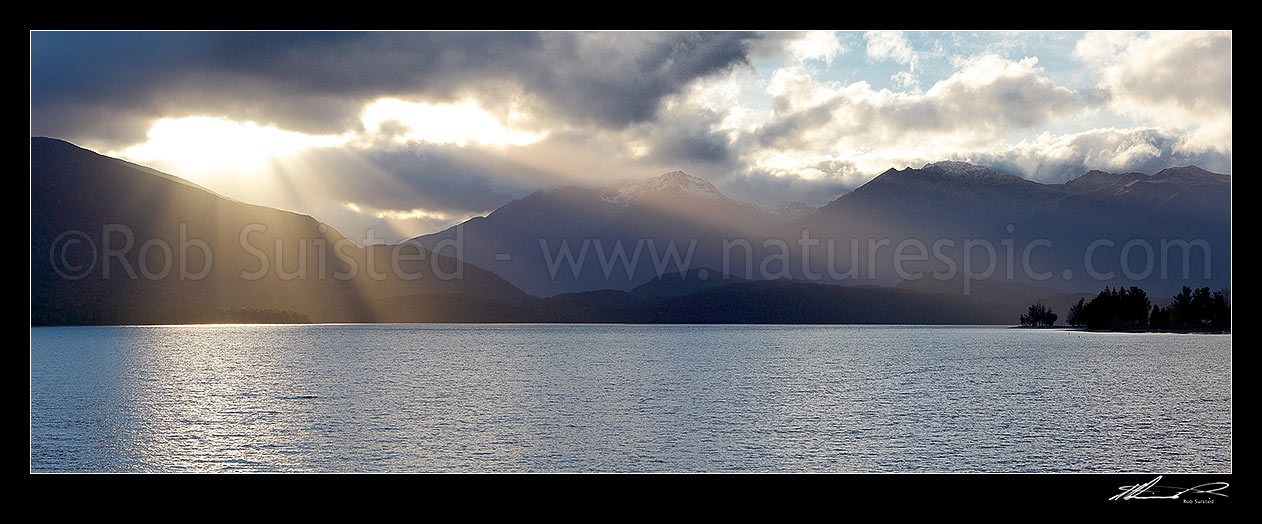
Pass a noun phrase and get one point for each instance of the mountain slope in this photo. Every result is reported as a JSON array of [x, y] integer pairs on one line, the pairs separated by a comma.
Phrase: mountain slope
[[573, 239], [567, 240], [687, 298], [92, 217], [955, 203]]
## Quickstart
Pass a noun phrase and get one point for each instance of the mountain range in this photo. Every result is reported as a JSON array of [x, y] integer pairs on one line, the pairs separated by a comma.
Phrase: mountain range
[[571, 239], [1057, 223], [574, 239], [658, 250], [92, 216]]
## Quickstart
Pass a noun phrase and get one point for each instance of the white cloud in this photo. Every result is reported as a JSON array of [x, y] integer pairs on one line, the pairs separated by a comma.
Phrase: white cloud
[[981, 103], [458, 124], [795, 88], [817, 45], [846, 133], [905, 79], [894, 46], [1174, 79], [1101, 47], [1001, 92], [209, 150], [804, 131], [1053, 158], [889, 45], [725, 95]]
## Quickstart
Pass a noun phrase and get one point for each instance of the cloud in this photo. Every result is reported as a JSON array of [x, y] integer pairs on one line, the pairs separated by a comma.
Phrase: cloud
[[1051, 158], [408, 189], [444, 179], [999, 91], [458, 124], [817, 45], [836, 137], [318, 83], [816, 184], [905, 79], [479, 119], [984, 101], [400, 224], [210, 144], [894, 46], [1170, 78], [889, 45], [1048, 158]]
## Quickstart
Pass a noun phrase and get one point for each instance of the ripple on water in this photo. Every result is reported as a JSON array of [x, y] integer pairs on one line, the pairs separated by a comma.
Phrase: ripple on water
[[626, 398]]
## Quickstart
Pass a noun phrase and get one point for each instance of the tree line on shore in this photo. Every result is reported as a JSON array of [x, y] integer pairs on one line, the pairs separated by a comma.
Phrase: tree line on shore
[[1129, 308]]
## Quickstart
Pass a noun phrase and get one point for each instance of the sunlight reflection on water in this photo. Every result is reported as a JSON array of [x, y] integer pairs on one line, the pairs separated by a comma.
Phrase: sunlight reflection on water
[[626, 398]]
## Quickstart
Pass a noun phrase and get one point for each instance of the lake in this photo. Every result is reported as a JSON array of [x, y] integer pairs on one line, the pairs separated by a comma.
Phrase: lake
[[552, 398]]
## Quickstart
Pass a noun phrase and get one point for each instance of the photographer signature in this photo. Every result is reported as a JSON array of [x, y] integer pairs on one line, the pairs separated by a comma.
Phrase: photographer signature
[[1151, 490]]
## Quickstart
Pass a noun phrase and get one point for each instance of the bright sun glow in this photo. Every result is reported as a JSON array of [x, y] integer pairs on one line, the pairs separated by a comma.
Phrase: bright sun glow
[[209, 148], [201, 145], [457, 124], [398, 214]]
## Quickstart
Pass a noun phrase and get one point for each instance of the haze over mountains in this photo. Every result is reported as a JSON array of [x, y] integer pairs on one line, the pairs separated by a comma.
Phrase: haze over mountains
[[571, 239], [657, 250], [1058, 223], [566, 239], [92, 216]]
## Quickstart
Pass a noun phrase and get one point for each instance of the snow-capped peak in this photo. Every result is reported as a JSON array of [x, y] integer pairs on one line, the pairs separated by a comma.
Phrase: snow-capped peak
[[957, 168], [675, 183]]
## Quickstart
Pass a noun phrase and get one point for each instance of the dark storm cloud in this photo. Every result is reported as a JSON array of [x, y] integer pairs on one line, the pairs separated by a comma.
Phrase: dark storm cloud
[[787, 131], [442, 178], [699, 147], [602, 80], [262, 73], [317, 82], [683, 137]]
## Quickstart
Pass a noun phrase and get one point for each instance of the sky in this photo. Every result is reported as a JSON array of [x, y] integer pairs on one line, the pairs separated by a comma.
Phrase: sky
[[390, 135]]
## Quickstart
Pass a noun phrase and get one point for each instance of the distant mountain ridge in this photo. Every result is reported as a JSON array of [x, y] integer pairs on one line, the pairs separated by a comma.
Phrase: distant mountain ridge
[[678, 184], [942, 200], [951, 201], [672, 209], [675, 184], [506, 272], [113, 242]]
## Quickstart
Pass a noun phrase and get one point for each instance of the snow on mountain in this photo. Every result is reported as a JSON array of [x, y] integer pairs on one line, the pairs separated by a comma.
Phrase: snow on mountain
[[952, 167], [673, 184]]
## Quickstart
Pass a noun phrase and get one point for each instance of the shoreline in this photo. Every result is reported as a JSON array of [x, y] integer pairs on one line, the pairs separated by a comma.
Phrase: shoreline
[[1143, 330]]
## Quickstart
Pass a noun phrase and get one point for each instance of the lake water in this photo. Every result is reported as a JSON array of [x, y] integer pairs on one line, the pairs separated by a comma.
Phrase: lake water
[[343, 398]]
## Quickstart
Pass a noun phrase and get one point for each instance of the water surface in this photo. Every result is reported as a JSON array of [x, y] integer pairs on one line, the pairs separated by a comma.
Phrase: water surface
[[627, 398]]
